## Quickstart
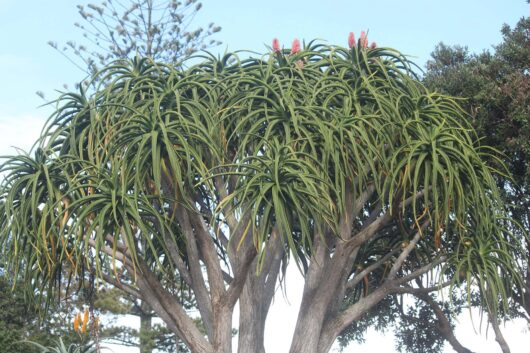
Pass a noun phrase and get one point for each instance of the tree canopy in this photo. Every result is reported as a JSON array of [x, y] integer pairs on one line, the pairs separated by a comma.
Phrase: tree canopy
[[496, 91], [218, 174]]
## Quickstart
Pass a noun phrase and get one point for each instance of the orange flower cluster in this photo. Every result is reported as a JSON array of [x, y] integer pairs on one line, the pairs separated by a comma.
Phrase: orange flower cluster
[[81, 321]]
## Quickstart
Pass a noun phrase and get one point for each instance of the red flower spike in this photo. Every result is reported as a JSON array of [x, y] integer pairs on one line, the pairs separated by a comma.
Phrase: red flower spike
[[363, 40], [351, 40], [296, 46], [373, 45], [275, 45]]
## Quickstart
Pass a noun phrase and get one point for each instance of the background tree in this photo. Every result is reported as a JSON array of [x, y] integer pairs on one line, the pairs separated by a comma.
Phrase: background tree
[[115, 303], [121, 29], [496, 88], [218, 174], [19, 322]]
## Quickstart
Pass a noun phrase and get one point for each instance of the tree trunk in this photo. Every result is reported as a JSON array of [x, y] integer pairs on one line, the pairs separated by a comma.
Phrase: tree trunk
[[255, 300], [312, 309], [252, 315], [146, 339]]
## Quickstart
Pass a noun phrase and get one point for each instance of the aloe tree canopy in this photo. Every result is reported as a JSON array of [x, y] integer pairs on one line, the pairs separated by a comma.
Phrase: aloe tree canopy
[[218, 174]]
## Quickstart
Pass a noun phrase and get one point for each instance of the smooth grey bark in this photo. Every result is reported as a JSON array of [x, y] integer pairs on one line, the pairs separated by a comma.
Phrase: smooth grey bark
[[256, 298], [252, 315]]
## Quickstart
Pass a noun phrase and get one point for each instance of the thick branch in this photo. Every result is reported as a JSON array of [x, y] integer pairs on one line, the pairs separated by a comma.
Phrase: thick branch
[[167, 307], [198, 283], [160, 300], [335, 326], [209, 255]]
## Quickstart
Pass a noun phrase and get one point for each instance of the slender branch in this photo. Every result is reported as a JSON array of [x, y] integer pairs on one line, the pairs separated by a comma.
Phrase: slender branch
[[272, 273], [337, 324], [372, 227], [361, 200], [405, 253], [226, 276], [359, 276], [118, 284], [223, 194], [179, 263], [235, 287], [414, 291], [273, 248], [369, 231], [443, 326], [124, 259], [422, 270]]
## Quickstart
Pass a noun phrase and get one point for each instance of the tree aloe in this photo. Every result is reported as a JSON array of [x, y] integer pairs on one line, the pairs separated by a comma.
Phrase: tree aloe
[[220, 173]]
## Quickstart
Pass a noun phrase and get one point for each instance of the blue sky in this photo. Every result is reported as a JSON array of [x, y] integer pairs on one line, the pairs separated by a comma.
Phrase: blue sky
[[28, 64]]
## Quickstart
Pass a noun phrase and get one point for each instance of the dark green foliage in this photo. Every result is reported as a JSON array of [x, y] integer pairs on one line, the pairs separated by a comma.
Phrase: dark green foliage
[[419, 328], [20, 321], [418, 331], [496, 89], [13, 314]]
